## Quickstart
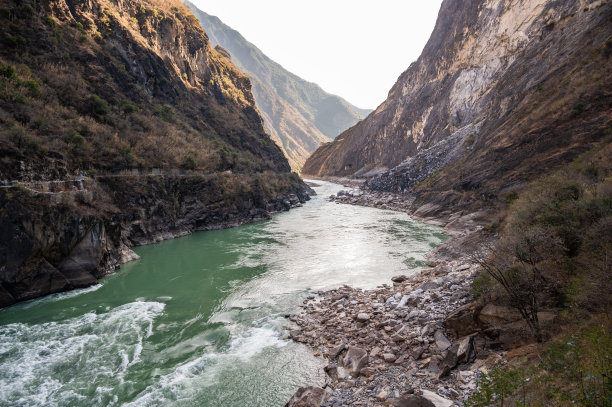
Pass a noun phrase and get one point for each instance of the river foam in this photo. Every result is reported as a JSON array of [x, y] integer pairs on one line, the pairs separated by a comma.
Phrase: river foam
[[188, 379], [35, 359]]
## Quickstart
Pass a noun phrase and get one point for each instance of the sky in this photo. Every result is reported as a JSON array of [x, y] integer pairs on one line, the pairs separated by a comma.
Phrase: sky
[[352, 48]]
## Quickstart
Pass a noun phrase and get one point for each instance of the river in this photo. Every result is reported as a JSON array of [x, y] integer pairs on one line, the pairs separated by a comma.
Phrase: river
[[200, 320]]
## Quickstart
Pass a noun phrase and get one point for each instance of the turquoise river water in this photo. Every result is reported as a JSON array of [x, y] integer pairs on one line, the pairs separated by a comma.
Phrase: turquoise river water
[[199, 320]]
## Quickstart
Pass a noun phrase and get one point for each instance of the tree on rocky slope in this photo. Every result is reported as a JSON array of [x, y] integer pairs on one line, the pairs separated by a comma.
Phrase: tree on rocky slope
[[521, 264]]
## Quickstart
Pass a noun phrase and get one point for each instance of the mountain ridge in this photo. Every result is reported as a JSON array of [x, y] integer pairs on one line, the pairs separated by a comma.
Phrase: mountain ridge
[[461, 123]]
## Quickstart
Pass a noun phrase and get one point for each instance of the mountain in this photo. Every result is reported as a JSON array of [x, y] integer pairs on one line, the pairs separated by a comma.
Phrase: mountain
[[298, 114], [502, 93], [120, 125]]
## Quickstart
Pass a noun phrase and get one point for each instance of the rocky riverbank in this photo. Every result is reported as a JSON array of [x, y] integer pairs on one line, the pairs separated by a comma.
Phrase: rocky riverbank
[[397, 342], [456, 223], [420, 341]]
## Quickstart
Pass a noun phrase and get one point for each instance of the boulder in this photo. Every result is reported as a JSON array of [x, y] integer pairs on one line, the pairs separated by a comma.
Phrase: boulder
[[355, 359], [399, 279], [389, 357], [382, 395], [331, 368], [362, 317], [418, 352], [494, 314], [334, 352], [436, 400], [441, 341], [342, 373], [465, 349], [463, 321], [414, 401], [430, 285], [308, 397], [403, 301], [368, 371], [449, 361]]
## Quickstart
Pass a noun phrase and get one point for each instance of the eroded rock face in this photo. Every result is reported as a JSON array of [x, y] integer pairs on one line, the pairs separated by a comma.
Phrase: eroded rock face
[[500, 91]]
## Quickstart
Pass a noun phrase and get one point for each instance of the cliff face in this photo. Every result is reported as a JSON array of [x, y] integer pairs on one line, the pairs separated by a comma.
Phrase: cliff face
[[503, 90], [120, 125], [299, 115]]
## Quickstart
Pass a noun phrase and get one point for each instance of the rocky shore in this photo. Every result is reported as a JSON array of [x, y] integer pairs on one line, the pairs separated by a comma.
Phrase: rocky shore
[[421, 340], [394, 343]]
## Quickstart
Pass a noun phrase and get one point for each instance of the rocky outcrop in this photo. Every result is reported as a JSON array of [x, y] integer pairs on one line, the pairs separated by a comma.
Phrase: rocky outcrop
[[299, 115], [502, 90], [401, 353], [422, 341]]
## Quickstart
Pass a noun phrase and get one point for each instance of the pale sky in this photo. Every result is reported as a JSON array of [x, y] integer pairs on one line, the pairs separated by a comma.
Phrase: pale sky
[[352, 48]]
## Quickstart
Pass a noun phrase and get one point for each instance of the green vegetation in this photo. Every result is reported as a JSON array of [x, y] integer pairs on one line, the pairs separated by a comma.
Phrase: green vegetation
[[555, 251], [573, 370], [96, 106], [511, 197], [429, 179], [33, 87], [190, 163], [578, 109], [130, 108], [51, 22], [166, 112], [7, 71]]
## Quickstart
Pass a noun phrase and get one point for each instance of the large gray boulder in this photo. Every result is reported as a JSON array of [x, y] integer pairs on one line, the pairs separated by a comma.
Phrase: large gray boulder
[[436, 400], [308, 397], [442, 341], [414, 401]]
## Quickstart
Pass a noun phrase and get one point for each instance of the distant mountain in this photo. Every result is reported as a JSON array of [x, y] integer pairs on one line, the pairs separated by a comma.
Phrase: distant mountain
[[298, 114]]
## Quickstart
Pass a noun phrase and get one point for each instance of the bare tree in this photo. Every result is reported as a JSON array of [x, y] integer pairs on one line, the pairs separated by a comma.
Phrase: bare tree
[[518, 263]]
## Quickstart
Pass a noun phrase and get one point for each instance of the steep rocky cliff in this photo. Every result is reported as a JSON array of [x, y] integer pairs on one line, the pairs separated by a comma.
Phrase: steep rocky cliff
[[503, 91], [298, 114], [120, 125]]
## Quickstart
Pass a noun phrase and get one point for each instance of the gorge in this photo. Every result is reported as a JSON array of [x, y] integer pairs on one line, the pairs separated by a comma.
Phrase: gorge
[[464, 260]]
